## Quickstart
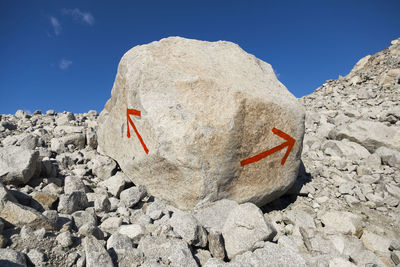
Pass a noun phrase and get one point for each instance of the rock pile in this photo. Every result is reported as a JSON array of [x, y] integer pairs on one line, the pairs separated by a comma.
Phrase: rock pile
[[64, 204]]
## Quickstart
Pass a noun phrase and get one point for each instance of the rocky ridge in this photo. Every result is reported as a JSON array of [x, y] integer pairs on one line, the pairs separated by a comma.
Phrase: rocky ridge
[[64, 204]]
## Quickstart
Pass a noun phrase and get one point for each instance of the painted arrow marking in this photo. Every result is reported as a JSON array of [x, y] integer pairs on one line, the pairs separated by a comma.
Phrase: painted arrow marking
[[129, 120], [289, 144]]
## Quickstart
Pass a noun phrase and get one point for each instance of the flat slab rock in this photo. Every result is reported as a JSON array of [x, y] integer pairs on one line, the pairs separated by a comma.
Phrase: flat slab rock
[[204, 107]]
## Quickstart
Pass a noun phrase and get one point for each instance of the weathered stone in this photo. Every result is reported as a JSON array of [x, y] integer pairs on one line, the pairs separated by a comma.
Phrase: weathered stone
[[103, 167], [12, 257], [73, 184], [131, 196], [96, 254], [111, 224], [133, 231], [271, 254], [70, 203], [37, 257], [19, 215], [64, 239], [89, 229], [46, 200], [82, 217], [222, 104], [18, 165], [244, 227], [343, 222], [375, 243], [187, 226], [172, 250], [102, 203], [369, 134], [213, 215], [389, 156], [115, 184], [60, 145], [216, 245]]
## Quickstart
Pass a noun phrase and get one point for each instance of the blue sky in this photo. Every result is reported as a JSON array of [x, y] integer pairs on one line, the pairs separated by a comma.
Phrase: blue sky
[[63, 55]]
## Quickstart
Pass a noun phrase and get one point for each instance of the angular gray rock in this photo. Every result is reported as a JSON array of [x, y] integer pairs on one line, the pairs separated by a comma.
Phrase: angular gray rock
[[12, 258], [205, 107], [73, 184], [187, 226], [70, 203], [18, 165], [369, 134], [131, 196], [271, 255], [96, 254], [172, 250], [244, 228]]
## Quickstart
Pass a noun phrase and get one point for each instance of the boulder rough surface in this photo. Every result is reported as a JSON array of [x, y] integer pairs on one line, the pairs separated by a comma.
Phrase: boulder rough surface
[[205, 107]]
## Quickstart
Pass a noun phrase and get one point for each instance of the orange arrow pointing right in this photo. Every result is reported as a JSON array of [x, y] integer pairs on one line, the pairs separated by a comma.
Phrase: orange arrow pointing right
[[289, 144]]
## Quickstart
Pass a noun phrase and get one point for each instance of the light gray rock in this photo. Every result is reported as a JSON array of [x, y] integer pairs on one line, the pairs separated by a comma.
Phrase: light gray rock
[[60, 144], [201, 256], [37, 257], [244, 227], [119, 242], [389, 157], [366, 258], [10, 257], [29, 141], [64, 239], [91, 137], [272, 255], [172, 250], [133, 231], [115, 184], [345, 149], [96, 254], [69, 203], [369, 134], [187, 226], [343, 222], [200, 161], [73, 184], [102, 203], [18, 165], [91, 230], [213, 215], [131, 196], [375, 243], [111, 224], [103, 167], [82, 217], [299, 218]]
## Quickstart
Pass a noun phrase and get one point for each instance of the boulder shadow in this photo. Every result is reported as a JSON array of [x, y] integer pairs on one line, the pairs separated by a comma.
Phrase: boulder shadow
[[291, 195]]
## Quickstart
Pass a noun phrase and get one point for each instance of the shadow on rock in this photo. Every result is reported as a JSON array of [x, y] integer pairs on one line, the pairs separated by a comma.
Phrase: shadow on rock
[[298, 189]]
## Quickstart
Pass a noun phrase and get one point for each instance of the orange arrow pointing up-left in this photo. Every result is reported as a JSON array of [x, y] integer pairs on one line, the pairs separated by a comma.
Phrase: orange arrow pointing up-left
[[289, 144], [129, 120]]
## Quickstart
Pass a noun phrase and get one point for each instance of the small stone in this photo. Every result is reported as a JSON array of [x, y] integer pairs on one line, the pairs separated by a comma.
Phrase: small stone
[[90, 229], [133, 231], [111, 224], [65, 239], [70, 203], [73, 184], [244, 227], [131, 196], [84, 217], [96, 254], [375, 242], [45, 199], [115, 184], [216, 245], [119, 242], [343, 222], [12, 257], [395, 256], [102, 203], [187, 226]]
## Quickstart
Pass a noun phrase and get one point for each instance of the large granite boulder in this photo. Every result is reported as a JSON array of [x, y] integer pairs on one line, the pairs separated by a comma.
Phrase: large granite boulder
[[196, 111]]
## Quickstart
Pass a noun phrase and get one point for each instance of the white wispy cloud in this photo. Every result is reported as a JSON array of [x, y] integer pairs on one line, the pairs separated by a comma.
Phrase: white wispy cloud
[[64, 64], [79, 15], [56, 25]]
